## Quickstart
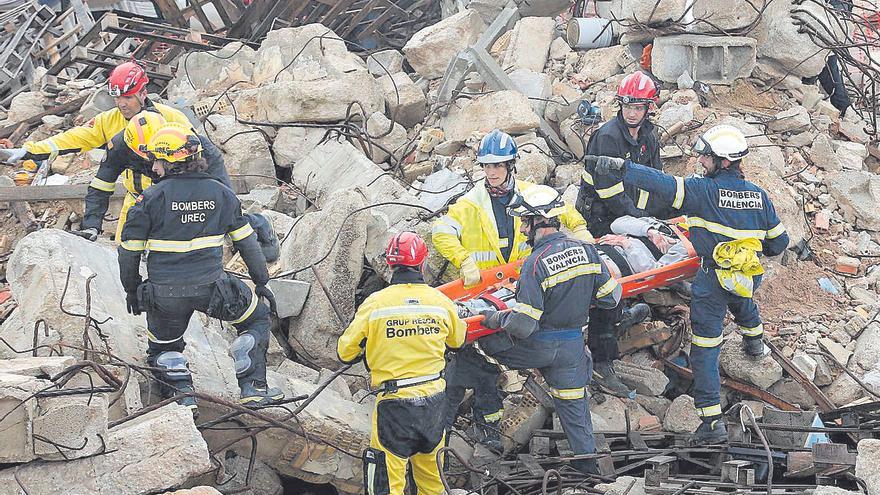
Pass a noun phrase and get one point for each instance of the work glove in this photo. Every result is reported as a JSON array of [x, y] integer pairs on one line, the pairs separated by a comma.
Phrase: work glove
[[582, 234], [132, 304], [606, 164], [491, 319], [264, 292], [470, 273], [87, 234], [12, 155]]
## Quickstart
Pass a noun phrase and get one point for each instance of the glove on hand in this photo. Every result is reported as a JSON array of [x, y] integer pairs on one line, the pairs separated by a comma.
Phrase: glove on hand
[[491, 319], [470, 273], [88, 234], [12, 155], [264, 292], [605, 164], [132, 304]]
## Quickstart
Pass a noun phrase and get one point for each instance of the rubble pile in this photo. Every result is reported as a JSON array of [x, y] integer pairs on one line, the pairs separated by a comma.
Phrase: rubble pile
[[341, 147]]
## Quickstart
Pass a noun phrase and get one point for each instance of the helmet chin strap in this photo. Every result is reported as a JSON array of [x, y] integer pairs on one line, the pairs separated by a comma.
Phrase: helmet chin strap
[[641, 121], [504, 188], [534, 225]]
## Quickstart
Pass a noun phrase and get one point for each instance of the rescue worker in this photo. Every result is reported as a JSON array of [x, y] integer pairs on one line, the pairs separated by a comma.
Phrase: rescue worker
[[182, 221], [127, 154], [731, 220], [475, 234], [402, 333], [559, 281], [630, 135]]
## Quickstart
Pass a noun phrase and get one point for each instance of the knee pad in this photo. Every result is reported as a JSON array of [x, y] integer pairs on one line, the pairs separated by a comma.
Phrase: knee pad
[[241, 349], [376, 480], [174, 366]]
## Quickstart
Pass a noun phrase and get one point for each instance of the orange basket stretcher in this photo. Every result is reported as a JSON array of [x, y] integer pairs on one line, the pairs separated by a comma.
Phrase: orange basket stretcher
[[633, 285]]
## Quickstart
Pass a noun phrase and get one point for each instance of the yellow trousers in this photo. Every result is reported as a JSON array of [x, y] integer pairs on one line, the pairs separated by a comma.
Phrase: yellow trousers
[[408, 427]]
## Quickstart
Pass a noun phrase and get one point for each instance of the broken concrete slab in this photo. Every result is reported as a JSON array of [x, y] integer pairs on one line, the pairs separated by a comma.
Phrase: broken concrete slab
[[713, 16], [290, 295], [782, 37], [624, 485], [645, 380], [385, 62], [263, 480], [868, 464], [209, 73], [430, 50], [529, 44], [18, 409], [795, 119], [405, 99], [321, 55], [320, 100], [599, 64], [761, 373], [393, 139], [791, 391], [867, 351], [822, 153], [509, 111], [440, 187], [78, 425], [316, 330], [36, 366], [806, 364], [535, 85], [858, 194], [293, 143], [534, 163], [244, 148], [711, 59], [25, 105], [681, 417], [844, 390], [200, 490], [160, 449]]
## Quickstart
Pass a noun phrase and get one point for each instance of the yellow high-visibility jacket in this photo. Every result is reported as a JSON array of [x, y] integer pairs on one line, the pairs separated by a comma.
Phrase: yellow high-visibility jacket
[[95, 133], [403, 332], [469, 229]]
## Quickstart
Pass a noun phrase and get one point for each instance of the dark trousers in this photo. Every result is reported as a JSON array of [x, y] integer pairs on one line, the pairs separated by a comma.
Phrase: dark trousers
[[832, 82], [467, 369], [602, 336]]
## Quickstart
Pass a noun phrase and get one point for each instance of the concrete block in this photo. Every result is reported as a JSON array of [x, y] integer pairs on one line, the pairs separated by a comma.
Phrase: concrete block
[[529, 44], [430, 50], [385, 62], [710, 59], [405, 99], [36, 366], [290, 295], [70, 421], [16, 429], [645, 380]]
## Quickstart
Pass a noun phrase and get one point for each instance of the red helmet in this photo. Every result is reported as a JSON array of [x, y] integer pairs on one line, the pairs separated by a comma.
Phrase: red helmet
[[406, 249], [127, 79], [637, 88]]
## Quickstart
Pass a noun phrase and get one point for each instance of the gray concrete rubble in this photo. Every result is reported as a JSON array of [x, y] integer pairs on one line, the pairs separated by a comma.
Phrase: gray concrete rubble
[[529, 44], [681, 417], [711, 59], [509, 111], [245, 150], [405, 99], [762, 372], [158, 450], [429, 50], [644, 380]]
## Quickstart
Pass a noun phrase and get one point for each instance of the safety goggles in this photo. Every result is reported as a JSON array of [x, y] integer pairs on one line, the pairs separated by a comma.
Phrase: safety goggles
[[519, 208], [702, 147], [116, 90]]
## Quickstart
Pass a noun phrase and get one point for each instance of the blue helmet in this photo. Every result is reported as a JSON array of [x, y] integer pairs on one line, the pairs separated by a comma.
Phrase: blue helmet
[[497, 147]]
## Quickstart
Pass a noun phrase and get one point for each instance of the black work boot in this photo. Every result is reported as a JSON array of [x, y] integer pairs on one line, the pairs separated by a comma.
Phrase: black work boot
[[754, 347], [188, 401], [256, 393], [635, 314], [710, 432], [605, 377]]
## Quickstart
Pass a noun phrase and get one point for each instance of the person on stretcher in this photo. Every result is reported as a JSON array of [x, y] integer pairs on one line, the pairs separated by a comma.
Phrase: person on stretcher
[[639, 244]]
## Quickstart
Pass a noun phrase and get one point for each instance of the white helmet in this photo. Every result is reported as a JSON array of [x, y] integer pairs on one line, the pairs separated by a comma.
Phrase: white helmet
[[724, 141], [537, 201]]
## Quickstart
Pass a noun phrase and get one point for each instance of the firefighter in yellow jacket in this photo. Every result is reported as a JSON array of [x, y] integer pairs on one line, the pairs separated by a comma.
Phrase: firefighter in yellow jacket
[[475, 234], [128, 85], [402, 333]]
